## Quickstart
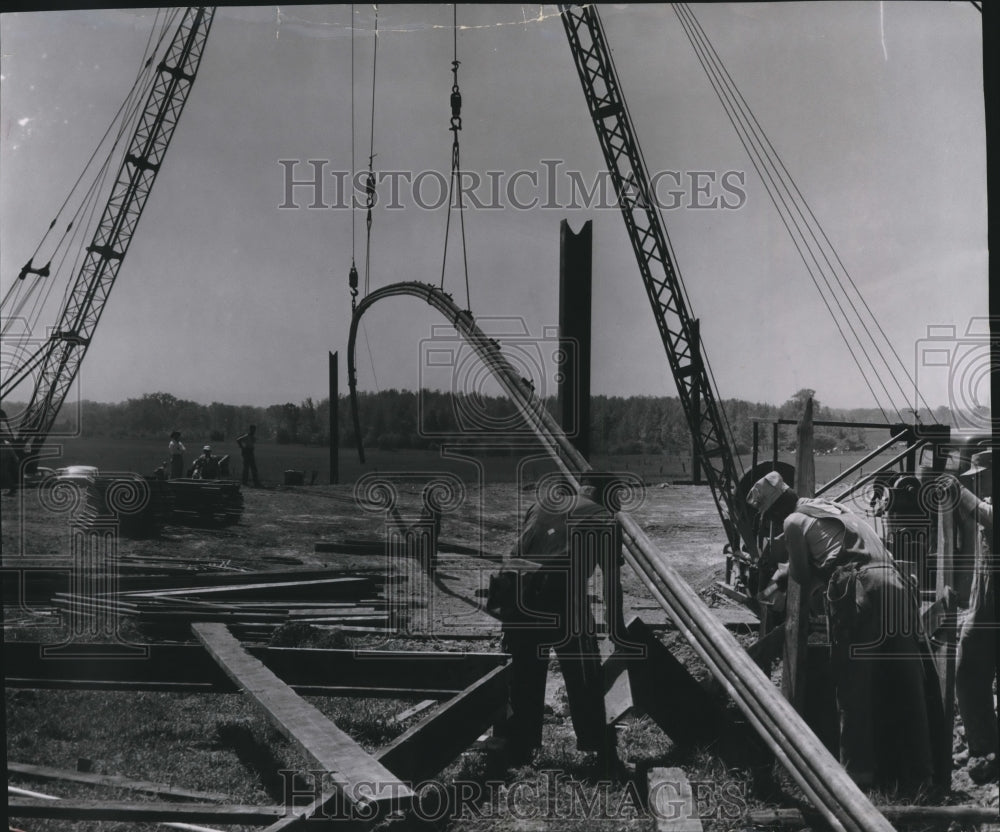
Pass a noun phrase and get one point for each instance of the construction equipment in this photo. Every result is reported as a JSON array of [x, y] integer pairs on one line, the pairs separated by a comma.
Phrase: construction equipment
[[57, 360], [639, 208]]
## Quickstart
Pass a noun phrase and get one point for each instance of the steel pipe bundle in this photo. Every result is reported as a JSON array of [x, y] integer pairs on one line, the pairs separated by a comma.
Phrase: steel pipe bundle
[[838, 799]]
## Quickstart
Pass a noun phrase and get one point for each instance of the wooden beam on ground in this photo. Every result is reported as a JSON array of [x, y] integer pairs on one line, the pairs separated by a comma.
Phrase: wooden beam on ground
[[902, 815], [187, 667], [363, 780], [767, 649], [116, 781], [141, 811], [618, 698], [671, 801], [430, 745], [794, 666], [323, 588], [427, 747], [664, 689]]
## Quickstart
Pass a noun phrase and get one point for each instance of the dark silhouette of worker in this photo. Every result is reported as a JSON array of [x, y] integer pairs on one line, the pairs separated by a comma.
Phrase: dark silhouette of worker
[[176, 450], [977, 644], [551, 609], [206, 466], [247, 443], [891, 716]]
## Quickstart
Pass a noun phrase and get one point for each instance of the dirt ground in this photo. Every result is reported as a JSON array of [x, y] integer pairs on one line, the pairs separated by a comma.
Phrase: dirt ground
[[281, 527]]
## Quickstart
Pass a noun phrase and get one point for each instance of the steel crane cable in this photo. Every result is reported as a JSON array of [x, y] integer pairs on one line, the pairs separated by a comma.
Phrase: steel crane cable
[[767, 179], [370, 181], [787, 217], [802, 205], [650, 200], [749, 128], [352, 278], [135, 93], [25, 291], [456, 165]]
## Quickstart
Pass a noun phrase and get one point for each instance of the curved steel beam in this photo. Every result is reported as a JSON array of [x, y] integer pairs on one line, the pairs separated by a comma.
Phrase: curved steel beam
[[792, 741], [528, 404]]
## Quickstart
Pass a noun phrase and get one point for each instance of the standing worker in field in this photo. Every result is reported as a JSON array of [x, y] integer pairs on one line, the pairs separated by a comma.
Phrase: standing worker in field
[[550, 608], [176, 449], [247, 443], [891, 718], [977, 643]]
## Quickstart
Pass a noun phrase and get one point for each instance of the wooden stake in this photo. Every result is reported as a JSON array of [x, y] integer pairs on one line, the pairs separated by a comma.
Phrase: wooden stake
[[793, 674]]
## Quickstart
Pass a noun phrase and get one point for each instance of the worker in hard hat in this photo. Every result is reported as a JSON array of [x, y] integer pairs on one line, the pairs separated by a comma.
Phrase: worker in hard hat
[[891, 724], [977, 644]]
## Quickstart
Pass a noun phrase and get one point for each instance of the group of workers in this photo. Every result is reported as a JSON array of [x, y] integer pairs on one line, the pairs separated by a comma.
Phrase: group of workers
[[208, 466], [892, 732]]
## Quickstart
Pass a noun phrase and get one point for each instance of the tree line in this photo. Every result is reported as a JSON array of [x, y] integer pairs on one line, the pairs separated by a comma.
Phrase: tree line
[[399, 419]]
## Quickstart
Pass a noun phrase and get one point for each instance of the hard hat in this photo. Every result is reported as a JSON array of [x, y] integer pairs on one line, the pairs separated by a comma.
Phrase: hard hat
[[766, 491], [207, 448]]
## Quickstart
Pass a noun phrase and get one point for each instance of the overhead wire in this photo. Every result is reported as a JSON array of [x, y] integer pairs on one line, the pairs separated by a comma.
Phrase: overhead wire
[[776, 197], [21, 287], [765, 159], [456, 164], [38, 292], [803, 205], [672, 254], [370, 182]]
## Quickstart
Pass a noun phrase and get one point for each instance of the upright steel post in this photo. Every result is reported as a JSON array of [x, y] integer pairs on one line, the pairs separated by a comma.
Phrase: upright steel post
[[334, 419], [575, 304]]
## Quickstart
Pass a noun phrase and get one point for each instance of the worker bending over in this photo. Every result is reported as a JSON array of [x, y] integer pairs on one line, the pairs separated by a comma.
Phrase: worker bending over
[[891, 719]]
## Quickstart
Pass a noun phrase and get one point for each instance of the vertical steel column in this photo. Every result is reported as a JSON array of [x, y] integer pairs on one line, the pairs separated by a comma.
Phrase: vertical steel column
[[334, 418], [696, 395], [575, 282]]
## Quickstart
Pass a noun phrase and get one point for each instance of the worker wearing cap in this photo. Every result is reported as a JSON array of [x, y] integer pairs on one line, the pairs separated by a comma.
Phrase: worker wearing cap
[[883, 683], [552, 610], [206, 467], [977, 643]]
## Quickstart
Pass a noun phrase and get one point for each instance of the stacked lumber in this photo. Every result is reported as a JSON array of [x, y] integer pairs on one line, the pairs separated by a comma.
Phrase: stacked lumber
[[205, 502], [251, 603]]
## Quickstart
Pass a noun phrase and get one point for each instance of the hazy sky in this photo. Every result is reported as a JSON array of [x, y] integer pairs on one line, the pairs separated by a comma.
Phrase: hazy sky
[[876, 110]]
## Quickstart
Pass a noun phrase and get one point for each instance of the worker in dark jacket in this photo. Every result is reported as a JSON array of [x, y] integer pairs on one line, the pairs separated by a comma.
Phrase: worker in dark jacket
[[552, 610], [248, 445], [977, 644], [891, 727]]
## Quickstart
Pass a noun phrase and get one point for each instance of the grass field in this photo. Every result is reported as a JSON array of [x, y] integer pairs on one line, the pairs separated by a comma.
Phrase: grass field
[[145, 455]]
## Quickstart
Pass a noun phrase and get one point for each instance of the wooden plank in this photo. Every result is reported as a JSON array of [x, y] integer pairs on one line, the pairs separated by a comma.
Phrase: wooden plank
[[114, 780], [794, 665], [618, 699], [427, 747], [902, 815], [671, 801], [168, 665], [412, 711], [430, 745], [141, 811], [664, 689], [315, 588], [363, 779]]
